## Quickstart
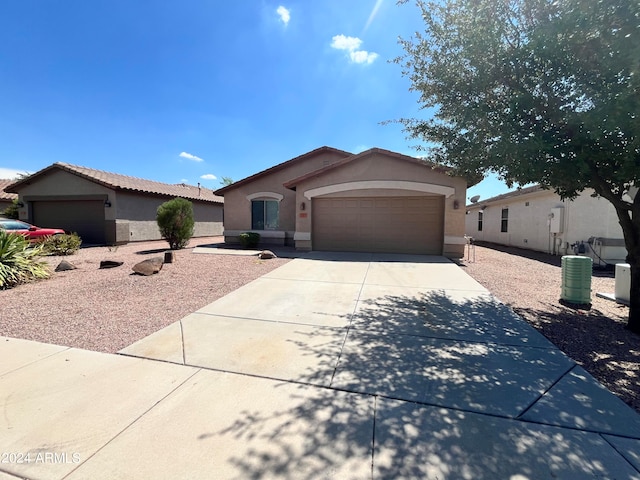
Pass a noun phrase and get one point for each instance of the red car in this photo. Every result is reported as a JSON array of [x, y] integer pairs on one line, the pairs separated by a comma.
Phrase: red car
[[32, 232]]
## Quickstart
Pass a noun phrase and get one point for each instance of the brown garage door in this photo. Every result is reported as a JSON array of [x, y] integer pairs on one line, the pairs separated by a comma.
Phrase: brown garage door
[[379, 224], [85, 217]]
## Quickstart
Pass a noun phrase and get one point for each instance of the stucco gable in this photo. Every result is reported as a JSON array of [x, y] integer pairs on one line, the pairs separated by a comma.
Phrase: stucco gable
[[403, 160], [302, 163]]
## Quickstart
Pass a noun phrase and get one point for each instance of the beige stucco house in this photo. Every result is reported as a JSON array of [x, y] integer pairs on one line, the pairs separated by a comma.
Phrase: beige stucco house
[[539, 219], [329, 199], [108, 208]]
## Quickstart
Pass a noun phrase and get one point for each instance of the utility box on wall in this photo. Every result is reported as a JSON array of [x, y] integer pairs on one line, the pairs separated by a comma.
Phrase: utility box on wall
[[556, 220]]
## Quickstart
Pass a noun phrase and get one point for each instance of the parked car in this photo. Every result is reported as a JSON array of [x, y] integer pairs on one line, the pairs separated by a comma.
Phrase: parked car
[[32, 232]]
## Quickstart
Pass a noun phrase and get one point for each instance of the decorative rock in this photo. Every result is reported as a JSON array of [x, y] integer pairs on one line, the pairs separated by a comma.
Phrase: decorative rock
[[110, 264], [149, 266], [64, 265], [169, 257], [266, 254]]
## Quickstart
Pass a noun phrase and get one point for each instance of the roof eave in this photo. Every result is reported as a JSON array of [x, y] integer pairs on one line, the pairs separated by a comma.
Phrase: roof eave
[[278, 167]]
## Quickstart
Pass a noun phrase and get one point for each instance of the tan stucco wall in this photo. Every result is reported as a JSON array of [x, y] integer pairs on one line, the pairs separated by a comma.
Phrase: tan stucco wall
[[380, 167], [528, 225], [237, 215], [139, 212]]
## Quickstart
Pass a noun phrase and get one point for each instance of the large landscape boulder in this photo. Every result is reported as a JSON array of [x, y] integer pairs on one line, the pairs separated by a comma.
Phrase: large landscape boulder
[[266, 254], [64, 266], [149, 266]]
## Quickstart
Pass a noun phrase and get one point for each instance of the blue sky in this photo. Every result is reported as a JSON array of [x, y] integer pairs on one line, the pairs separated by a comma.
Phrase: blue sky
[[198, 90]]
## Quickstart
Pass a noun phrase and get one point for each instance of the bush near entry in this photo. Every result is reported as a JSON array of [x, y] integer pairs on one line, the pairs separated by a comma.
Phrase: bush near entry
[[249, 239]]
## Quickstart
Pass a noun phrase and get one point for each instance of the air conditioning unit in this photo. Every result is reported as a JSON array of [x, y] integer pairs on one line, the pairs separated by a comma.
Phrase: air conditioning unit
[[623, 282]]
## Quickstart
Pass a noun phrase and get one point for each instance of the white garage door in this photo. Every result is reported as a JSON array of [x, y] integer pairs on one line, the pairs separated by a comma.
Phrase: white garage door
[[379, 224]]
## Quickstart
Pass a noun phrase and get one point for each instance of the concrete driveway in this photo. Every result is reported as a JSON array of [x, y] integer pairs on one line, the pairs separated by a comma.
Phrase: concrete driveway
[[331, 366]]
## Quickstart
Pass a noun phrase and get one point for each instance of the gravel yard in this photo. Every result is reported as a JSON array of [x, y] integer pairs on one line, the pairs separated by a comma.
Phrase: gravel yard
[[530, 282], [107, 310]]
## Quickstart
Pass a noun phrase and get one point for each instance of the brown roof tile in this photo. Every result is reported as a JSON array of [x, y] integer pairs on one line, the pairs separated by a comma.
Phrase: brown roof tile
[[125, 182], [280, 166], [6, 195], [439, 168]]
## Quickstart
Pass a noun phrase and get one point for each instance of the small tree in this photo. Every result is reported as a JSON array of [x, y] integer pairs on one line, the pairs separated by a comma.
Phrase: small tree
[[12, 210], [175, 220], [538, 91]]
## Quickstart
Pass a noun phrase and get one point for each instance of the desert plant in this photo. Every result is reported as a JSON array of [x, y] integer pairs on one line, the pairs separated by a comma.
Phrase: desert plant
[[19, 261], [176, 222], [66, 244], [249, 239]]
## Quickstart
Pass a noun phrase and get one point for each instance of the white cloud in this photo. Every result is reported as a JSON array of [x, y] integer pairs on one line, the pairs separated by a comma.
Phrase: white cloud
[[10, 173], [352, 45], [362, 56], [208, 176], [342, 42], [284, 14], [189, 156]]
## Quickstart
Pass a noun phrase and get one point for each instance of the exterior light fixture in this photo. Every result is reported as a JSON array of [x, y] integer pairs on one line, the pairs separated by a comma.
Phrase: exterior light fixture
[[107, 203]]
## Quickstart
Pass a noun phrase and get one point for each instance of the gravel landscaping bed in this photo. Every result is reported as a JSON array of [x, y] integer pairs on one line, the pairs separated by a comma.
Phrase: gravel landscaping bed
[[107, 310], [596, 338]]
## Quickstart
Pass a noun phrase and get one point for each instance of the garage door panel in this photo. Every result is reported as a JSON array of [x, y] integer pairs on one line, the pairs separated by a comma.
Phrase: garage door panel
[[85, 217], [379, 224]]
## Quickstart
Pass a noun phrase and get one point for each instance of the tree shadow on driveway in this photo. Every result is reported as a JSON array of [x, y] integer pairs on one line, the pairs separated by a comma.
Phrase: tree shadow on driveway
[[418, 393]]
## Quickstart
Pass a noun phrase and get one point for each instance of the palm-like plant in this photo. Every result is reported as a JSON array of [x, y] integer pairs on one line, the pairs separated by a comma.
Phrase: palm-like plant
[[19, 261]]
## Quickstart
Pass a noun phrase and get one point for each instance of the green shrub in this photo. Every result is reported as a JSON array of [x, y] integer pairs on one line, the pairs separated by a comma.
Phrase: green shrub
[[66, 244], [249, 239], [12, 210], [176, 222], [19, 262]]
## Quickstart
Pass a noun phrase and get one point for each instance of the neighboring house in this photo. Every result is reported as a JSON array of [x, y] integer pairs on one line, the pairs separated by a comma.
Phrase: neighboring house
[[6, 198], [108, 208], [329, 199], [538, 219]]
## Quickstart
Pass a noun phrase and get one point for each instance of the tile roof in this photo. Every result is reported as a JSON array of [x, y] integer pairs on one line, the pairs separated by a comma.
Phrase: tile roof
[[418, 161], [125, 182], [6, 195], [282, 165]]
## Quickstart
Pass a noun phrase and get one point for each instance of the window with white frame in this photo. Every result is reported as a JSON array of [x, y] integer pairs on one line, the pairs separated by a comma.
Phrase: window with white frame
[[480, 214]]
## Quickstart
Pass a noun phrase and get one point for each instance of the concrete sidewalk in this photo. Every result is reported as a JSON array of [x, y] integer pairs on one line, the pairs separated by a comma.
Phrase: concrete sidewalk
[[331, 366]]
